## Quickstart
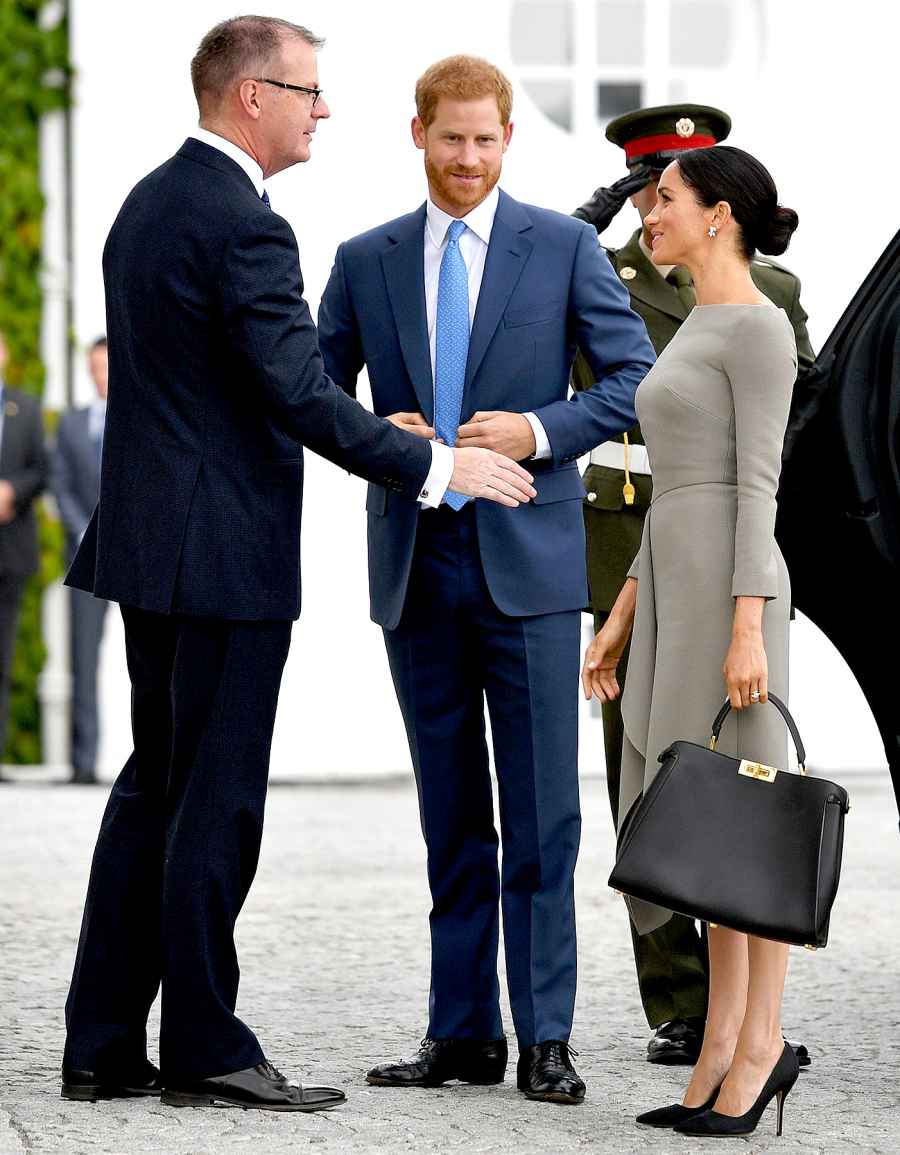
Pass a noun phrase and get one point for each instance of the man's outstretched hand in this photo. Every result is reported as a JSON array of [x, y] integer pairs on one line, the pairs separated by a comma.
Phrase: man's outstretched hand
[[483, 473]]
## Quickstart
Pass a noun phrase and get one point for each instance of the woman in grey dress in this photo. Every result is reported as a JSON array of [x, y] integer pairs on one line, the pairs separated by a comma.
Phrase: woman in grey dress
[[708, 595]]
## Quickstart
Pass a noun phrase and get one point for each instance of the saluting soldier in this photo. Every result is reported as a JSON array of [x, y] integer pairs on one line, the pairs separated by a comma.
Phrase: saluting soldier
[[672, 962]]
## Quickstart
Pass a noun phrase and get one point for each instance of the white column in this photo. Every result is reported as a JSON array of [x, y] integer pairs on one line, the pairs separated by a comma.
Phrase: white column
[[54, 684]]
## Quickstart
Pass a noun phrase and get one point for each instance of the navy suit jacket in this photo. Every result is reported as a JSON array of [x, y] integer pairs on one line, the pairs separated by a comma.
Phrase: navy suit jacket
[[23, 463], [215, 384], [548, 288]]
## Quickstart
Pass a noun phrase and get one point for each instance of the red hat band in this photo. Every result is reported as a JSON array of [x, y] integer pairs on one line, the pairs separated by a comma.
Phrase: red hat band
[[667, 142]]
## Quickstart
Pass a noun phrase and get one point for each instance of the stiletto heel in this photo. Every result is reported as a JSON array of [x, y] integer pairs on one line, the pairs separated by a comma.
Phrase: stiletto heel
[[781, 1096], [777, 1086]]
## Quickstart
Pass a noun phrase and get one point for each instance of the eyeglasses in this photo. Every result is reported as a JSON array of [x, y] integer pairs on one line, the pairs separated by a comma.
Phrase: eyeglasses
[[315, 93]]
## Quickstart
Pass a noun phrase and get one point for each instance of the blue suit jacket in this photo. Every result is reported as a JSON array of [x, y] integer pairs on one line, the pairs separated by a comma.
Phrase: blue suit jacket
[[547, 289]]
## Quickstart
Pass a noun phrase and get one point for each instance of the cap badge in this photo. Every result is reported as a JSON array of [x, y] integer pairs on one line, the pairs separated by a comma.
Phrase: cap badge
[[627, 273], [685, 126]]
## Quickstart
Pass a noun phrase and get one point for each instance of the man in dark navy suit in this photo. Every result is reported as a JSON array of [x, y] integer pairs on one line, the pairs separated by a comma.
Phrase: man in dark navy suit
[[23, 476], [215, 385], [467, 314]]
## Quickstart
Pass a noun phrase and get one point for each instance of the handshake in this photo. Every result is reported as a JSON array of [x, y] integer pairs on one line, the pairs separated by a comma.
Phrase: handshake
[[488, 448]]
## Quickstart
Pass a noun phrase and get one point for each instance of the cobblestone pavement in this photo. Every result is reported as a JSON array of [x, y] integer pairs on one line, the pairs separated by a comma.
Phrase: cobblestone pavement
[[333, 946]]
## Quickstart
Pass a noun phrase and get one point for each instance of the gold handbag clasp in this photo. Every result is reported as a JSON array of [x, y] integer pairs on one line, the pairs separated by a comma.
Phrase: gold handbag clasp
[[757, 770]]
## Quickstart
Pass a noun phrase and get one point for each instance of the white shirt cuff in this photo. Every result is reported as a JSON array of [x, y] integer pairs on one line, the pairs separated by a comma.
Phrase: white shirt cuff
[[541, 440], [432, 493]]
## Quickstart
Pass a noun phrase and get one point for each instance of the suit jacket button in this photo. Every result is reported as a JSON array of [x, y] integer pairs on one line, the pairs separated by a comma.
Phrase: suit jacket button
[[592, 497]]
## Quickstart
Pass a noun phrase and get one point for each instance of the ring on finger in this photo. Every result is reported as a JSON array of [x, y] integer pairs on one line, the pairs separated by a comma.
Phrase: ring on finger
[[754, 695]]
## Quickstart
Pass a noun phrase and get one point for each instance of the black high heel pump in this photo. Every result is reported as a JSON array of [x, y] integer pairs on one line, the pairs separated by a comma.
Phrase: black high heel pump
[[778, 1085], [677, 1113]]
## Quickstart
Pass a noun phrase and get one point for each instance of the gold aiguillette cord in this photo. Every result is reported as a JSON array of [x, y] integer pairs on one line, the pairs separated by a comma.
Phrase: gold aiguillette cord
[[627, 488]]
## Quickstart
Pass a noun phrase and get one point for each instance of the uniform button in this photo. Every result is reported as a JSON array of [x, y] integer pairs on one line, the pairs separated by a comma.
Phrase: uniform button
[[592, 497]]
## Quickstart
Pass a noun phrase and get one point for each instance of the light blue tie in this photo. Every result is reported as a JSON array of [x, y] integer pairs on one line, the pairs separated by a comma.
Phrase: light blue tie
[[451, 345]]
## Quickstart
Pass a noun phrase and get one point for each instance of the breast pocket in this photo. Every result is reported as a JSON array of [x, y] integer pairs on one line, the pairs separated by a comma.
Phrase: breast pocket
[[535, 313]]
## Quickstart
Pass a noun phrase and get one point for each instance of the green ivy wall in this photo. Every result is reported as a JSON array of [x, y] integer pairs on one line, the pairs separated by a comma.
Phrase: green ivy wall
[[34, 70]]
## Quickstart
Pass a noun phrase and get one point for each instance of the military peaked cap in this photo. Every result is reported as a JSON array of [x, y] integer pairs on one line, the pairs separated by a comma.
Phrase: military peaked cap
[[655, 136]]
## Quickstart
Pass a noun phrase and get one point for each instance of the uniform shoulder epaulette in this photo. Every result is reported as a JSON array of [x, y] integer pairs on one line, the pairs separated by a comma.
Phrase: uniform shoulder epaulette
[[769, 263]]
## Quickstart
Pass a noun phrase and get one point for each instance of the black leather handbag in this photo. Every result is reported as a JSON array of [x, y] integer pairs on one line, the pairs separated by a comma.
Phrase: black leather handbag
[[736, 843]]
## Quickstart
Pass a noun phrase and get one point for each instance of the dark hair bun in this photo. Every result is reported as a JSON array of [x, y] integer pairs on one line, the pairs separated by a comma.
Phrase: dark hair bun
[[775, 235]]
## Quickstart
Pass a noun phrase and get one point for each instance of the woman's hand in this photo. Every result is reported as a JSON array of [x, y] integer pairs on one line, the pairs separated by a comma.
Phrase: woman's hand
[[746, 669], [601, 659]]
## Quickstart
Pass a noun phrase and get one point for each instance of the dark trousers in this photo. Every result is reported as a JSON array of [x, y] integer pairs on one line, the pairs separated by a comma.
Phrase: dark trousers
[[87, 615], [11, 590], [452, 650], [672, 962], [178, 849]]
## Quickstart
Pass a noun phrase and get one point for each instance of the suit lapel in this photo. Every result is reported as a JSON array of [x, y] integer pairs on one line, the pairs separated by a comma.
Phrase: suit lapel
[[404, 274], [9, 454], [646, 284], [506, 257]]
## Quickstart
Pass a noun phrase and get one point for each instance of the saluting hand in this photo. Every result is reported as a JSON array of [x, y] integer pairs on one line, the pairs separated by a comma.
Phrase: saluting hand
[[507, 433]]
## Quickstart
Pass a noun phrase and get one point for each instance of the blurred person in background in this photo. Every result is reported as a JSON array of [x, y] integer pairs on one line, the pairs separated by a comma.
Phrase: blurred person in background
[[23, 477], [75, 481], [672, 962]]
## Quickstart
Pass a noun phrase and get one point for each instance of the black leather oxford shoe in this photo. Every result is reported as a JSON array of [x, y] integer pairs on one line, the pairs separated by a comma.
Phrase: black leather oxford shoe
[[677, 1042], [545, 1073], [262, 1088], [439, 1060], [89, 1086]]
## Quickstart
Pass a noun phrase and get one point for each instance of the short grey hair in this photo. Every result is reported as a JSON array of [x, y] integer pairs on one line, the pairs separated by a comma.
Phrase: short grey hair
[[240, 47]]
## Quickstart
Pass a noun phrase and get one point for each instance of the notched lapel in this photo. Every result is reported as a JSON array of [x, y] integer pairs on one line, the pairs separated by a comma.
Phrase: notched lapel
[[646, 284], [404, 274], [507, 256]]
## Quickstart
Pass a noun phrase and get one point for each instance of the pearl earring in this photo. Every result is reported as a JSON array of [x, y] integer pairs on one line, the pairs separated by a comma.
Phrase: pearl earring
[[711, 232]]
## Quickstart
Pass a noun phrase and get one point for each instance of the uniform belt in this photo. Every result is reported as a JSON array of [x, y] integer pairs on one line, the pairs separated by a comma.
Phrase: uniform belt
[[612, 455]]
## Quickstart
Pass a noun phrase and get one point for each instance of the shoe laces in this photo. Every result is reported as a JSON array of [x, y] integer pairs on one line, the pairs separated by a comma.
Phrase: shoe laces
[[560, 1052]]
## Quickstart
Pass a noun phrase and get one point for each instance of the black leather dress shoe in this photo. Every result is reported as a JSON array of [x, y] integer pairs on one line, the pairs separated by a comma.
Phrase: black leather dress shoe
[[676, 1043], [89, 1086], [478, 1061], [262, 1088], [545, 1073]]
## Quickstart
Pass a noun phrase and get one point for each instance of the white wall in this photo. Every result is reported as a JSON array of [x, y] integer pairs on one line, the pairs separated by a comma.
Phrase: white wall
[[815, 112]]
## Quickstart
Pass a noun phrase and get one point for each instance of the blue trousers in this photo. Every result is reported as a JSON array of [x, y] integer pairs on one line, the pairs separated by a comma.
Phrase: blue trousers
[[452, 650]]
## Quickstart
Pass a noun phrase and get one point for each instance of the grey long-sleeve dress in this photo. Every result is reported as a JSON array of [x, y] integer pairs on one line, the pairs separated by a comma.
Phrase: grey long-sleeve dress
[[713, 410]]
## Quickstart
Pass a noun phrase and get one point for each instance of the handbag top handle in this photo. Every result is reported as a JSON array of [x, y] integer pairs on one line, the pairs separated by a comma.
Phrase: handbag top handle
[[782, 710]]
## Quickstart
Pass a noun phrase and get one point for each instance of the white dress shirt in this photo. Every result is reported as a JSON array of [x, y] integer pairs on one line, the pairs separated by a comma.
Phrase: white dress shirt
[[473, 247], [441, 471]]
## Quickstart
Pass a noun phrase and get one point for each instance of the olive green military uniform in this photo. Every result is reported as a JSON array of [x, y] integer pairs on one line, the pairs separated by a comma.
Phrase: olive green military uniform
[[671, 962]]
